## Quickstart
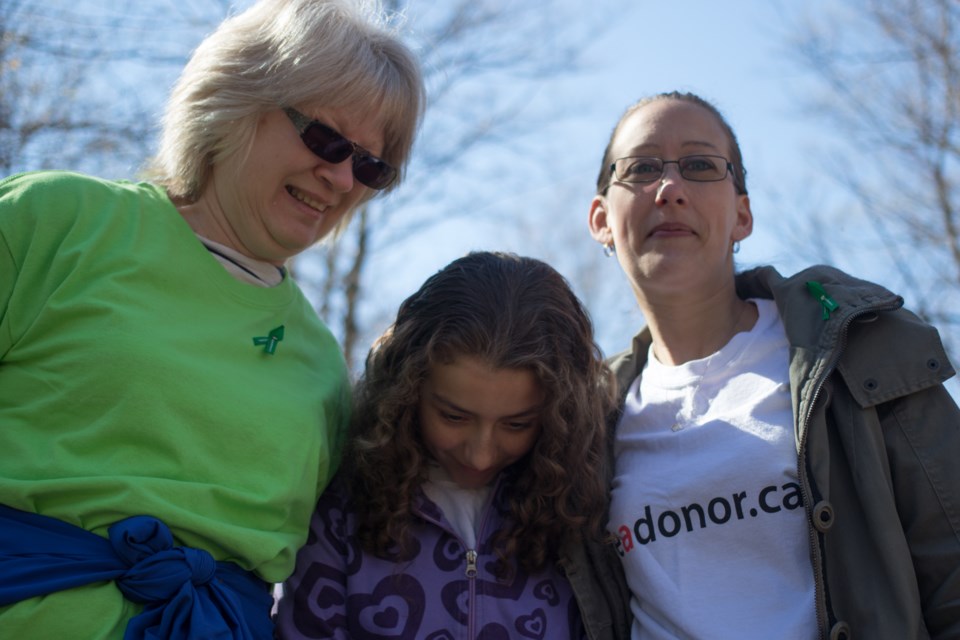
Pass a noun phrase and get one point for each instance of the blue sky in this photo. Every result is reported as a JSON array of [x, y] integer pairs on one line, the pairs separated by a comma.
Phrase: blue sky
[[738, 55], [733, 54]]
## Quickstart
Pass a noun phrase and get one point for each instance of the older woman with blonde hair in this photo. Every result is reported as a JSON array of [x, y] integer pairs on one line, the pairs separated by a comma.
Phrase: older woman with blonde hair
[[171, 405]]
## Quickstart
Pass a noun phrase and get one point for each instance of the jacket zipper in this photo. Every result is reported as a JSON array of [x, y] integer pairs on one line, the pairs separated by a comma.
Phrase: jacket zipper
[[818, 582], [471, 573], [471, 556], [471, 570]]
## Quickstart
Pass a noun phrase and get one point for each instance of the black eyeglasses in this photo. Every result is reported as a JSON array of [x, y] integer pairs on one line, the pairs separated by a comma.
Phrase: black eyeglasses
[[650, 169], [329, 145]]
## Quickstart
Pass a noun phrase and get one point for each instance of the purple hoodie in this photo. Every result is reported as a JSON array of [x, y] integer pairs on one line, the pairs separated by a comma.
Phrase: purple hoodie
[[443, 592]]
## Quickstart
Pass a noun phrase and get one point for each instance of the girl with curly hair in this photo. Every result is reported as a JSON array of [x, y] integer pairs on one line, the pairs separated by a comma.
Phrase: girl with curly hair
[[474, 469]]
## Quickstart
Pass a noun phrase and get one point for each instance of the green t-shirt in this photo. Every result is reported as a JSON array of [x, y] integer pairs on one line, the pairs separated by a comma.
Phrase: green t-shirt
[[130, 384]]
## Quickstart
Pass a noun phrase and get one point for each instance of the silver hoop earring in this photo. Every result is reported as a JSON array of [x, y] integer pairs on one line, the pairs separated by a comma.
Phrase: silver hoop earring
[[609, 250], [736, 246]]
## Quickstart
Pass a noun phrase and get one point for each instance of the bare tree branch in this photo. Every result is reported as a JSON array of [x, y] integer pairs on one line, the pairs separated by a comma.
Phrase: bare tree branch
[[890, 73]]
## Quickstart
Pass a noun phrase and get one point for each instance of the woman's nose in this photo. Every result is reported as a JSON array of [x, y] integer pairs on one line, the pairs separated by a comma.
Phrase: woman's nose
[[481, 451], [339, 175], [670, 189]]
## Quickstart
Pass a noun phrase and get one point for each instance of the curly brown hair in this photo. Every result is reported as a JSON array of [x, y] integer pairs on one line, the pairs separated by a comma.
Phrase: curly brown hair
[[510, 312]]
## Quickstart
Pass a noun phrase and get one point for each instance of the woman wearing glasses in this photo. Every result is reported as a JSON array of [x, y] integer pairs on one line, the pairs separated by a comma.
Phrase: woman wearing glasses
[[170, 404], [785, 452]]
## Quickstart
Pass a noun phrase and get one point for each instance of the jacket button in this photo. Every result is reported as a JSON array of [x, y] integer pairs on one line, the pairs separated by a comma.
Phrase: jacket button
[[933, 364], [823, 516], [840, 631], [870, 384]]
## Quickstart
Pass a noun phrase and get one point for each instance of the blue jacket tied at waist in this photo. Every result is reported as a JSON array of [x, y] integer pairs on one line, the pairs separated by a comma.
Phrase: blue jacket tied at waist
[[185, 593]]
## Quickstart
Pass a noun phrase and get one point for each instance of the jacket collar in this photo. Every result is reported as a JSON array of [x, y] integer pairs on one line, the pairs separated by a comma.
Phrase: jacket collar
[[818, 337]]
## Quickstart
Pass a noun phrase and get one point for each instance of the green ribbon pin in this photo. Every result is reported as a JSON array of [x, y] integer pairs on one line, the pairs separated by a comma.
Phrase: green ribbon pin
[[269, 341], [828, 303]]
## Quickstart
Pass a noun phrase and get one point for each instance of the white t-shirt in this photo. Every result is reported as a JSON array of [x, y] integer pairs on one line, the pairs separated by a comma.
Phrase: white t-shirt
[[706, 502], [462, 508]]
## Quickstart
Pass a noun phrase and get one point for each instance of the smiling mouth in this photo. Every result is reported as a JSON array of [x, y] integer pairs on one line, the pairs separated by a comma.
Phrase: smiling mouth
[[307, 200]]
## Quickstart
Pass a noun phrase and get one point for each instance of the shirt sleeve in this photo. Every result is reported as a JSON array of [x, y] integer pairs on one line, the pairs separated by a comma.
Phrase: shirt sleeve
[[29, 235], [11, 228], [8, 269]]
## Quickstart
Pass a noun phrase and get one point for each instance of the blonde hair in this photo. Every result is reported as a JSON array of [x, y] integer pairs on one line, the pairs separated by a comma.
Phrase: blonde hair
[[329, 53]]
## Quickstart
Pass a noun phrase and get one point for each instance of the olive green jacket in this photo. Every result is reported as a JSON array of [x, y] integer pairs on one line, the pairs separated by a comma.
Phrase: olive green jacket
[[878, 449]]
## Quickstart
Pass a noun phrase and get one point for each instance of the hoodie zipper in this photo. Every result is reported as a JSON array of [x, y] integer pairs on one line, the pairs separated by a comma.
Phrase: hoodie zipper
[[471, 570], [471, 556], [471, 573]]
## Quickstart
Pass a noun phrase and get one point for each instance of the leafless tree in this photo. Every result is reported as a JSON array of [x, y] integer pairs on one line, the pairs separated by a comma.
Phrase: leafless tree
[[887, 77], [81, 82]]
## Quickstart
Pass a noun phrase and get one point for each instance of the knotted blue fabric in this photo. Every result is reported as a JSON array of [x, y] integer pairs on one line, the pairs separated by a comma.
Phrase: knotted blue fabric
[[186, 594]]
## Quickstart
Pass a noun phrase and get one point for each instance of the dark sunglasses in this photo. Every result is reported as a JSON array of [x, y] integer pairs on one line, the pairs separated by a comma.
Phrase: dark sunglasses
[[329, 145]]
